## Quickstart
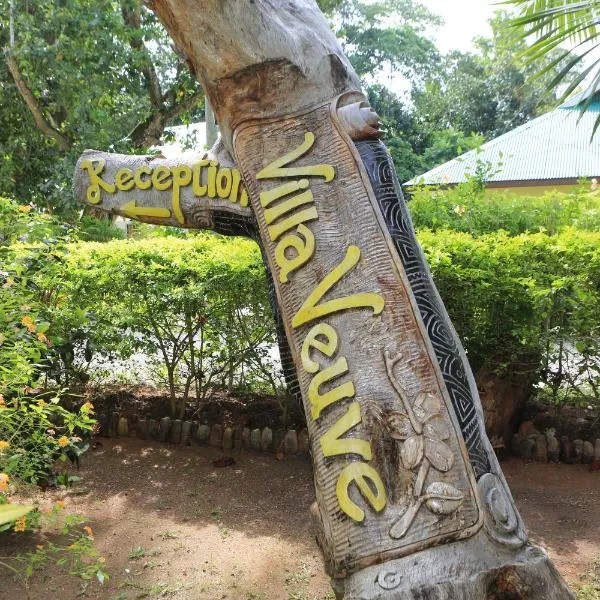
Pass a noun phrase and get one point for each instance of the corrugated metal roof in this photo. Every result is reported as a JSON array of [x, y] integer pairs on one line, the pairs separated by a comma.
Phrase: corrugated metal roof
[[556, 145]]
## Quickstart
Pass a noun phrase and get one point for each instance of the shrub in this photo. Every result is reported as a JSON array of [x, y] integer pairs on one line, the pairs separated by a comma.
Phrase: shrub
[[198, 306], [32, 244], [528, 295], [470, 208]]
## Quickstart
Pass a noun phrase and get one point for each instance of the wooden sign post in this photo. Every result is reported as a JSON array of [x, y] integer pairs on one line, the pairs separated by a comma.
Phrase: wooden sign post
[[411, 501]]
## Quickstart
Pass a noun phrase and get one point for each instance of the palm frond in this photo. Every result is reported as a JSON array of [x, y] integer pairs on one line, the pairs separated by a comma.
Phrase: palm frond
[[572, 26]]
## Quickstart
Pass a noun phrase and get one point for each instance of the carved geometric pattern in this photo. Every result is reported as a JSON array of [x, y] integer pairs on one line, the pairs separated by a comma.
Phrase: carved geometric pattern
[[379, 166]]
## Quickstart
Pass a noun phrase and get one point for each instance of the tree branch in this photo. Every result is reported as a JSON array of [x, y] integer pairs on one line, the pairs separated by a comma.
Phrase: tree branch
[[41, 122], [132, 18]]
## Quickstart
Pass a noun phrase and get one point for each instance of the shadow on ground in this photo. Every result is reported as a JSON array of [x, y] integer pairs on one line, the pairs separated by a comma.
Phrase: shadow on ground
[[170, 524]]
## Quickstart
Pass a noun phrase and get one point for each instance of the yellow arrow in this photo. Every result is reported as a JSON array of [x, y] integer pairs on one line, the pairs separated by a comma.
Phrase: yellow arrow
[[133, 211]]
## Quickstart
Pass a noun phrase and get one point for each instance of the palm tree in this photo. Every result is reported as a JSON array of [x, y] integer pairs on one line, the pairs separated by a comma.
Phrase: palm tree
[[570, 26]]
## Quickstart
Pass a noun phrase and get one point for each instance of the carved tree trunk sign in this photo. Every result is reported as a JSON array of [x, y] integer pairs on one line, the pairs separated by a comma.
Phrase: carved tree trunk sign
[[411, 502]]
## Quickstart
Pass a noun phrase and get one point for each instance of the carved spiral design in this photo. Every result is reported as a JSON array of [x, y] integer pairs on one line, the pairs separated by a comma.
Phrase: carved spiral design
[[388, 579], [501, 520]]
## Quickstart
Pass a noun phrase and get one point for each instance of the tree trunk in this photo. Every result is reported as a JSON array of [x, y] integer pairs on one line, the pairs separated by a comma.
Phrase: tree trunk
[[411, 501], [503, 397]]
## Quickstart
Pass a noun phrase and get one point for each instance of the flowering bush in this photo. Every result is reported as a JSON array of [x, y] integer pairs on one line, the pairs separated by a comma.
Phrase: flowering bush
[[34, 433], [35, 430]]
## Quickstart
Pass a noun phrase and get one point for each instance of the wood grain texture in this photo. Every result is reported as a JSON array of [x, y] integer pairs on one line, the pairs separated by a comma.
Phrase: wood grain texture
[[364, 340]]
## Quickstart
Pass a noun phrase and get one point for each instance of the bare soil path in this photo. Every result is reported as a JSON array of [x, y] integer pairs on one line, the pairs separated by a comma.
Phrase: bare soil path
[[170, 524]]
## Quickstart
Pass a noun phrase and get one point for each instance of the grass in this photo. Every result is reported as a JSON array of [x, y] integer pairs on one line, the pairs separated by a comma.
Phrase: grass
[[588, 588]]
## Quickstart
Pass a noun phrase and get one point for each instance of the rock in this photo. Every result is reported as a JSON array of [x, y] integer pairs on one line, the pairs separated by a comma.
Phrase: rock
[[216, 435], [515, 443], [103, 425], [541, 449], [577, 451], [237, 437], [113, 425], [526, 429], [186, 433], [278, 437], [266, 439], [228, 438], [152, 429], [203, 433], [588, 453], [290, 442], [246, 438], [303, 441], [163, 429], [566, 450], [553, 448], [597, 450], [141, 429], [194, 430], [255, 439], [175, 434], [527, 448], [123, 427]]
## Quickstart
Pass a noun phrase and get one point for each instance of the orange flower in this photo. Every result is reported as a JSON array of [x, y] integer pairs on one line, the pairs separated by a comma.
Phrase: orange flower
[[4, 479], [25, 208], [63, 441], [4, 445], [42, 338], [60, 504], [28, 322], [88, 531], [2, 401], [20, 524]]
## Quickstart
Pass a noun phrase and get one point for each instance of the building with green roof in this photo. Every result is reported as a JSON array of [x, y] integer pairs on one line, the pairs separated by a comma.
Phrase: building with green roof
[[551, 152]]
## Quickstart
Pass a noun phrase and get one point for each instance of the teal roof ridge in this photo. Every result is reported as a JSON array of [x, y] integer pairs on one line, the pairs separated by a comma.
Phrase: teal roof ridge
[[555, 145]]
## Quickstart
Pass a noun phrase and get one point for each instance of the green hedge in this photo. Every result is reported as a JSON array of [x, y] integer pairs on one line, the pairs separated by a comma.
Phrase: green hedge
[[197, 305], [471, 209], [530, 295]]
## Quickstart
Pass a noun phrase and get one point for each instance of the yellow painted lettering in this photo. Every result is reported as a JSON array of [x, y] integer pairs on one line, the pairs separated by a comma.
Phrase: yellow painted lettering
[[244, 198], [96, 182], [311, 309], [161, 178], [197, 187], [312, 340], [302, 243], [224, 183], [332, 442], [320, 401], [124, 179], [266, 198], [369, 484], [143, 184], [309, 214], [212, 176], [272, 214], [278, 167], [235, 185], [182, 175]]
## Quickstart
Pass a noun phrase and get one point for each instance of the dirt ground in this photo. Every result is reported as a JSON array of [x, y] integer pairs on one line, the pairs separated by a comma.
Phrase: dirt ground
[[170, 524]]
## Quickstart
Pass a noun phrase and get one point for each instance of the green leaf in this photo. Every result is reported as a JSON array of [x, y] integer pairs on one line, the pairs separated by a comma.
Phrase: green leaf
[[11, 512]]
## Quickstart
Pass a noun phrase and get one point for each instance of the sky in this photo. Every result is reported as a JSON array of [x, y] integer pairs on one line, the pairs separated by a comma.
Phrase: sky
[[463, 20]]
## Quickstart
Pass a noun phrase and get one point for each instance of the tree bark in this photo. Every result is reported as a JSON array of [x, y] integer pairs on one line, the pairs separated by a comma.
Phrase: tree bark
[[411, 501], [32, 104]]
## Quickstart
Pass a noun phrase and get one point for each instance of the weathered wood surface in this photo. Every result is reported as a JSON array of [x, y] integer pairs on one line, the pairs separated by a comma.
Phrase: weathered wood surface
[[195, 191], [411, 500]]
